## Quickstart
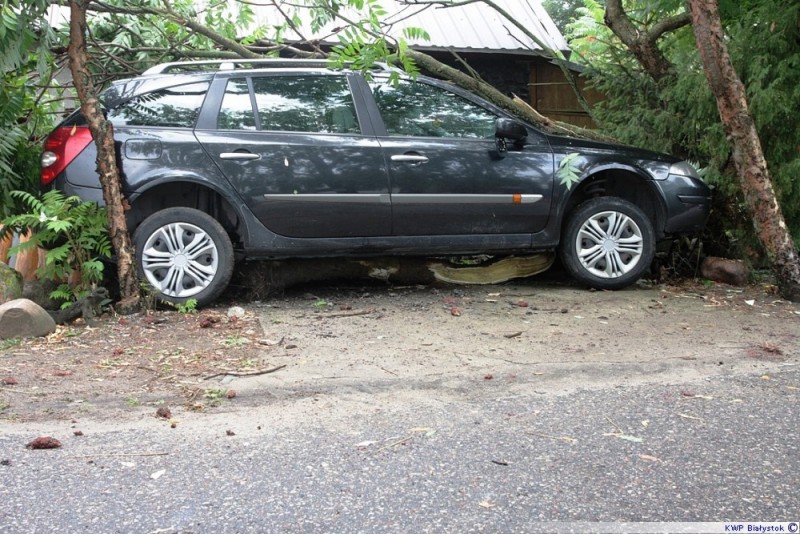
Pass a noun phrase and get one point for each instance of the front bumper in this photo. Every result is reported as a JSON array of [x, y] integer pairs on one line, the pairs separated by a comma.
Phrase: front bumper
[[688, 203]]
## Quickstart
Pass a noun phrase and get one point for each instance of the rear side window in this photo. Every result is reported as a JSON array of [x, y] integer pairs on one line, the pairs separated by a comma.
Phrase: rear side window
[[236, 112], [174, 107], [313, 104]]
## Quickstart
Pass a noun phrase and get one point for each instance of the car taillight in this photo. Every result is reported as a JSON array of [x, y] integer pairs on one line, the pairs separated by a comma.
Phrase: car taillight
[[60, 148]]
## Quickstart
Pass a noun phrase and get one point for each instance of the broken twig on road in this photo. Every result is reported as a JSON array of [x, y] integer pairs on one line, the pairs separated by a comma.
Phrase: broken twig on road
[[249, 373]]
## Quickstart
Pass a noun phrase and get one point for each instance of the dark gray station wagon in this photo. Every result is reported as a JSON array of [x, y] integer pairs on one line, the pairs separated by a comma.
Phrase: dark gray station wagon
[[285, 158]]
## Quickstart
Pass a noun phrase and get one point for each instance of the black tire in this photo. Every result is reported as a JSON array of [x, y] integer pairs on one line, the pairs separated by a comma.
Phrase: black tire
[[607, 243], [176, 273]]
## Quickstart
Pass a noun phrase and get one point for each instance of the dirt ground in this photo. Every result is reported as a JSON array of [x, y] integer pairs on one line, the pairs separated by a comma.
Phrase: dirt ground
[[538, 334]]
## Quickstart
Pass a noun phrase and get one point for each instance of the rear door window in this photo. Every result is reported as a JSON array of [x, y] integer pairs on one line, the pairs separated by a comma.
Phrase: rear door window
[[308, 104], [174, 107]]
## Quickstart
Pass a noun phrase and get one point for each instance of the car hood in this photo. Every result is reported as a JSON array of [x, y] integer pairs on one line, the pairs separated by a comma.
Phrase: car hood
[[599, 149]]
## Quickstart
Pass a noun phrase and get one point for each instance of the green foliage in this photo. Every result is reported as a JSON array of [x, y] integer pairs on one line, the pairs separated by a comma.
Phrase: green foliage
[[568, 172], [24, 113], [363, 44], [187, 308], [73, 231], [158, 33], [680, 116], [22, 31], [562, 11], [10, 342]]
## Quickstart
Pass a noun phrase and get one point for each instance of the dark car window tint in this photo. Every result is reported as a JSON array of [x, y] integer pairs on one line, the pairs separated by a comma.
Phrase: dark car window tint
[[419, 109], [236, 112], [318, 104], [175, 107]]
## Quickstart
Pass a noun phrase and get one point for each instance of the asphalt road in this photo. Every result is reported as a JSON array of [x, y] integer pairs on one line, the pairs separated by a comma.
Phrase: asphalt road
[[423, 457]]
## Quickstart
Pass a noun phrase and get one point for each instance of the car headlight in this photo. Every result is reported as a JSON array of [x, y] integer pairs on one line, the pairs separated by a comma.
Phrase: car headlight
[[684, 168]]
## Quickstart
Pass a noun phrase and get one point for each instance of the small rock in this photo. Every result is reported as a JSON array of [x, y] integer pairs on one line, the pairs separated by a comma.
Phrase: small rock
[[78, 433], [733, 272], [5, 462], [235, 311], [10, 283], [209, 321], [24, 318], [231, 394], [39, 292], [230, 433], [455, 311], [43, 442], [164, 411], [9, 381]]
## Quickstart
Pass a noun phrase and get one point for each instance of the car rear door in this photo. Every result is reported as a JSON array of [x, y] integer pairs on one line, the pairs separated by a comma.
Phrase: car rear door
[[446, 174], [293, 147]]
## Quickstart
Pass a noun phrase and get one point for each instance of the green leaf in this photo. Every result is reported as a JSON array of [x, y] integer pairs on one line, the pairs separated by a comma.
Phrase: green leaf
[[568, 170]]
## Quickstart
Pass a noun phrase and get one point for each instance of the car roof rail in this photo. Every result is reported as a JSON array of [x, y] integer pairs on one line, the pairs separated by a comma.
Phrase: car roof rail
[[233, 64]]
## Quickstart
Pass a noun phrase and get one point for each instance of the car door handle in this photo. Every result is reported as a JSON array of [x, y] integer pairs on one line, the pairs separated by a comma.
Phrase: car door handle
[[410, 158], [238, 155]]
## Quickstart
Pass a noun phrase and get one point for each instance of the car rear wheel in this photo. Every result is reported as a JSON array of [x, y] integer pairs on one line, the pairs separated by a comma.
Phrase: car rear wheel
[[184, 254], [608, 243]]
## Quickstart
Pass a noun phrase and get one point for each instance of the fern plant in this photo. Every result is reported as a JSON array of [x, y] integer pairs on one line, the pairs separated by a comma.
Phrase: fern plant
[[73, 232]]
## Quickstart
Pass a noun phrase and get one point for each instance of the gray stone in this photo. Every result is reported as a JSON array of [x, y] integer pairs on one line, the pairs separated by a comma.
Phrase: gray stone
[[10, 283], [733, 272], [24, 318], [39, 292], [236, 311]]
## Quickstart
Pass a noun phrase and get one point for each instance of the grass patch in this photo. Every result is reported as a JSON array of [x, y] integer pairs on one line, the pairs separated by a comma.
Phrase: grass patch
[[9, 343]]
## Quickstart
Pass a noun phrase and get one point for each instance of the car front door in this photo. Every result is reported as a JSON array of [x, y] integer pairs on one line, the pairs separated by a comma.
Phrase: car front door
[[446, 174], [291, 144]]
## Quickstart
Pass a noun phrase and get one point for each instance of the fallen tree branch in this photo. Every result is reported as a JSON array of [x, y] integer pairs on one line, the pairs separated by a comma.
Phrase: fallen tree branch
[[355, 313], [250, 373], [119, 454]]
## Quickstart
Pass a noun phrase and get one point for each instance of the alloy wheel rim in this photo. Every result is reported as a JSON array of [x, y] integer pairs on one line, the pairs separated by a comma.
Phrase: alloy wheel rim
[[180, 260], [609, 244]]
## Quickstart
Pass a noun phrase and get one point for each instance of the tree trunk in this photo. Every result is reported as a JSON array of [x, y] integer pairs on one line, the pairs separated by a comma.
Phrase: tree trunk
[[103, 136], [751, 166], [642, 41]]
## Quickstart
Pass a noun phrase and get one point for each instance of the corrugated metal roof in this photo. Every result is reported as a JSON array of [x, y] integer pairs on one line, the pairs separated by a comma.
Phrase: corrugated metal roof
[[473, 27]]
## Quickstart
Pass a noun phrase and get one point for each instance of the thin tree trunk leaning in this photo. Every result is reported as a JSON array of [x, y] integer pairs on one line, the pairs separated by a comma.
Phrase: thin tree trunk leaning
[[751, 166], [103, 136]]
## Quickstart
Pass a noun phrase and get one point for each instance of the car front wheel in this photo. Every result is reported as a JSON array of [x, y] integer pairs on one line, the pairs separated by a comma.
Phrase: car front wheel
[[184, 254], [608, 243]]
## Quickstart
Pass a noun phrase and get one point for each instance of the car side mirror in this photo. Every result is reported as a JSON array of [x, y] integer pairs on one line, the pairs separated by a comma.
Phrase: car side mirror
[[508, 129]]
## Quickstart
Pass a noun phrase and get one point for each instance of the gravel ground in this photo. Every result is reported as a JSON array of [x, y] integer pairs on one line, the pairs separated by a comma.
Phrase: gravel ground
[[412, 409]]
